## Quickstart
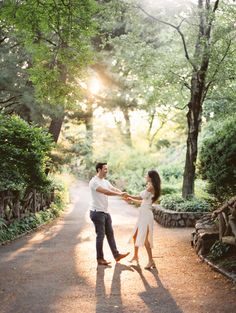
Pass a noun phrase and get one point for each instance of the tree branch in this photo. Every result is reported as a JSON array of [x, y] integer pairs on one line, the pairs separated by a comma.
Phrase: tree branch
[[155, 133], [216, 5], [49, 41], [8, 100], [3, 39], [182, 108], [183, 79], [16, 45], [177, 28], [217, 69]]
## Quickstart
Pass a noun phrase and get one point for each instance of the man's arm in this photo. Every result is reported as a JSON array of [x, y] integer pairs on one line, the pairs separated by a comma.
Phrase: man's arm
[[113, 192], [115, 189]]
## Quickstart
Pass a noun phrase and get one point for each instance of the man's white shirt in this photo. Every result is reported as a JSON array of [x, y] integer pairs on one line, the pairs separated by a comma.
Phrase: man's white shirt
[[99, 200]]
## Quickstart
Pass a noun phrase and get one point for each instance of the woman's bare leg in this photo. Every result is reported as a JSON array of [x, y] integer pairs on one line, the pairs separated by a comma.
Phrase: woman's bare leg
[[135, 256], [149, 252]]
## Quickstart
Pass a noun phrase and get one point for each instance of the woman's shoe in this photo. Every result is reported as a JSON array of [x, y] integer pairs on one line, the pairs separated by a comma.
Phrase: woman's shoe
[[150, 265]]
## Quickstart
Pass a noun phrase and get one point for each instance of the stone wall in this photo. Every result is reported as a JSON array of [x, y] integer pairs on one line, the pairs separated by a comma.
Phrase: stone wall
[[169, 218]]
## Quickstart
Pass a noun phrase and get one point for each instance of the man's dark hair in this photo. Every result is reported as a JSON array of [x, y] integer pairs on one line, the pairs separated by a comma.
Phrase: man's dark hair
[[99, 165]]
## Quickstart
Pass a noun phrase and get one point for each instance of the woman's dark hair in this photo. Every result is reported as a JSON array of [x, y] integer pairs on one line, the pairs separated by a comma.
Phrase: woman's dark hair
[[99, 165], [156, 182]]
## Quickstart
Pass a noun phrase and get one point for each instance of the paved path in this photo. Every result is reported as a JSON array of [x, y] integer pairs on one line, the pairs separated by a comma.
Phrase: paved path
[[54, 270]]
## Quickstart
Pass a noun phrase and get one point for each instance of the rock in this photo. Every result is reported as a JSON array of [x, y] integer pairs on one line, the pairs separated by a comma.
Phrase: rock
[[206, 233], [181, 223]]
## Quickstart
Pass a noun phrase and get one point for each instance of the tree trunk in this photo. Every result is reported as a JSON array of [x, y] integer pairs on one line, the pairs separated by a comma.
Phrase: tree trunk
[[56, 122], [194, 120], [88, 120], [127, 132], [55, 127], [198, 93]]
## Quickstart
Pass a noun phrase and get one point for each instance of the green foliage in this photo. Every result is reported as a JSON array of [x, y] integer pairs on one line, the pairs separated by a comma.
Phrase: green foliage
[[218, 249], [177, 203], [56, 36], [168, 189], [171, 171], [229, 264], [24, 151], [2, 224], [32, 221], [128, 168], [16, 93], [162, 143], [218, 159]]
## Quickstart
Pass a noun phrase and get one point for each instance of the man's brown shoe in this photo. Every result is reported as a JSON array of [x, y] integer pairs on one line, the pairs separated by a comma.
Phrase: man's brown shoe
[[121, 256], [103, 262]]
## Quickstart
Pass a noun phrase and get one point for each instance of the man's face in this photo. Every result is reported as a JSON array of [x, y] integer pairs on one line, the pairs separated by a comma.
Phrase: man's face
[[104, 171]]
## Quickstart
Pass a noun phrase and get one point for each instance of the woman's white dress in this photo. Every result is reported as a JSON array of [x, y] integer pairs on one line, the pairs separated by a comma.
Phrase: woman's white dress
[[145, 220]]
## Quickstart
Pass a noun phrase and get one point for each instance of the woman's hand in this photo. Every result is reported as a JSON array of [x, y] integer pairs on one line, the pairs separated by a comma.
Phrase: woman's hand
[[132, 200], [128, 199]]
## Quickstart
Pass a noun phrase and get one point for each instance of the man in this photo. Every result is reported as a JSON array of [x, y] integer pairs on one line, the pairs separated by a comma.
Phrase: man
[[100, 190]]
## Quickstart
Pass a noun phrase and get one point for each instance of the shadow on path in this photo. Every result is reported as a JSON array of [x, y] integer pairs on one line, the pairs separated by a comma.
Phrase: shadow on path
[[54, 271], [112, 302], [38, 273], [157, 299]]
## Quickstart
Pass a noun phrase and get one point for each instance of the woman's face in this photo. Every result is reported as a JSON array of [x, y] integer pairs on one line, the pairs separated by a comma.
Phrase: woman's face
[[148, 179], [149, 183]]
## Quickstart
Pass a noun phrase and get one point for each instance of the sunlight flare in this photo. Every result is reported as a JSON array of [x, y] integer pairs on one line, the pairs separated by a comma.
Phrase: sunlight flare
[[94, 86]]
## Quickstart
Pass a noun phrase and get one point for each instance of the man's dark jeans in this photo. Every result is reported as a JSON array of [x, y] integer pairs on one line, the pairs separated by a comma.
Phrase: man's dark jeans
[[103, 226]]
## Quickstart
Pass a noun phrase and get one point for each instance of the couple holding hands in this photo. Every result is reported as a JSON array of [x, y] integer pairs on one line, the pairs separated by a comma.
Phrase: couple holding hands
[[142, 234]]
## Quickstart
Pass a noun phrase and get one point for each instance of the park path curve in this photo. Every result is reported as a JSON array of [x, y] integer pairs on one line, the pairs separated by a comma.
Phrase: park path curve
[[54, 270]]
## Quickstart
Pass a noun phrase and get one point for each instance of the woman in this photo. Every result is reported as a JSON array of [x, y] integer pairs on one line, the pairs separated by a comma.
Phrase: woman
[[143, 230]]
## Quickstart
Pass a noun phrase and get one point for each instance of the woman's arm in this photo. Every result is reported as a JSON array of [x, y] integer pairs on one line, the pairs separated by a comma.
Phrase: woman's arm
[[133, 199]]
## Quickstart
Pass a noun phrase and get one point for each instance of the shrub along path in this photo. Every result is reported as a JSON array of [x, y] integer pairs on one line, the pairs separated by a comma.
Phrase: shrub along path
[[54, 270]]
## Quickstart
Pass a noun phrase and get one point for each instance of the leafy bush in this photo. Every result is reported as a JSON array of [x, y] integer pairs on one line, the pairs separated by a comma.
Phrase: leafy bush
[[230, 265], [167, 190], [171, 171], [218, 249], [177, 203], [171, 202], [24, 151], [218, 160], [2, 224]]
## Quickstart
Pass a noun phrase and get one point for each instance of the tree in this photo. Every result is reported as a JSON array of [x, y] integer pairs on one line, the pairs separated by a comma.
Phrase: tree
[[57, 35], [203, 78], [16, 91]]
